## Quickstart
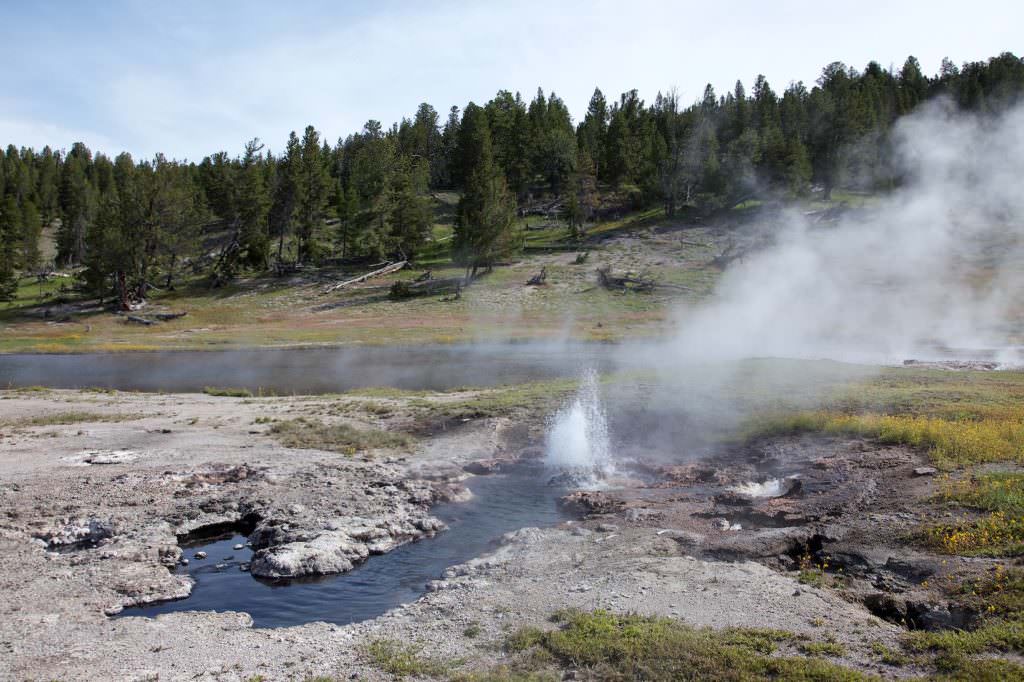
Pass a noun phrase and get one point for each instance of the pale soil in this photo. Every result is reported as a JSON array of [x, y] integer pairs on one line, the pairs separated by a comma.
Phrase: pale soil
[[184, 461]]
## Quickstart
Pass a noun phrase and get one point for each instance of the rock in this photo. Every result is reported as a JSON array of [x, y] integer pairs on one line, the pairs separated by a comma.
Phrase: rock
[[591, 502], [722, 524], [200, 555], [239, 546], [925, 471], [764, 543], [886, 607], [911, 569], [607, 527], [933, 617], [733, 498], [642, 514], [328, 553], [184, 562], [81, 532], [685, 537], [484, 467]]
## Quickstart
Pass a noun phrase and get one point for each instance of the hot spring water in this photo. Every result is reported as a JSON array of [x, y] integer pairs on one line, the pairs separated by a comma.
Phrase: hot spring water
[[577, 448]]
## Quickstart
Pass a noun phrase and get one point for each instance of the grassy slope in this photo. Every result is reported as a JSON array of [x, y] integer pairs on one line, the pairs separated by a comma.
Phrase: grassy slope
[[269, 311]]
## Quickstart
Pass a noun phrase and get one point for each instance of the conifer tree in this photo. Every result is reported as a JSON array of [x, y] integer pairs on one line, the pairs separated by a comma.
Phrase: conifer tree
[[31, 230], [484, 228], [311, 197], [10, 215], [253, 203]]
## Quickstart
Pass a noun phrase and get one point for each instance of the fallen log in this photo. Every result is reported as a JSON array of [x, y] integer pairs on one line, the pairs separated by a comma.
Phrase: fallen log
[[164, 317], [139, 320], [386, 270], [624, 282], [449, 285]]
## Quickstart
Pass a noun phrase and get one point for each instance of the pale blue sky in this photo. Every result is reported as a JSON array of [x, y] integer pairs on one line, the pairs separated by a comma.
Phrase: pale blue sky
[[189, 78]]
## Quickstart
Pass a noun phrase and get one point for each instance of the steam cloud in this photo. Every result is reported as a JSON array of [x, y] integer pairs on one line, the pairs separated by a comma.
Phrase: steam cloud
[[934, 265]]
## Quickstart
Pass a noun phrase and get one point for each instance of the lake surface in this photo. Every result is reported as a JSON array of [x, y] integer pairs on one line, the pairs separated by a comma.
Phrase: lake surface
[[501, 503], [311, 371]]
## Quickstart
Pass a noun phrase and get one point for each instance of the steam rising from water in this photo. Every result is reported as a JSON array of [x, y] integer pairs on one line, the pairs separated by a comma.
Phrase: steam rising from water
[[577, 442]]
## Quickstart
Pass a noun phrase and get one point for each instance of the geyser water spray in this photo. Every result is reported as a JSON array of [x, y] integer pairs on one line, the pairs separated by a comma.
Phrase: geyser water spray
[[577, 441]]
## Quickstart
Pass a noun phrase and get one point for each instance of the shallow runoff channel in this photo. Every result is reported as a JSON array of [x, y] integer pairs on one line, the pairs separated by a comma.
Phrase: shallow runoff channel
[[311, 371], [501, 503]]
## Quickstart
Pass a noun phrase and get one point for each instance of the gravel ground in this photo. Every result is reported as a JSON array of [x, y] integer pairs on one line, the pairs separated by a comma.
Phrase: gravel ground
[[138, 470]]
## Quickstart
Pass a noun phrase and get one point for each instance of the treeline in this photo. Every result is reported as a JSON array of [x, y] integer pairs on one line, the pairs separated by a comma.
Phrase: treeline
[[131, 223]]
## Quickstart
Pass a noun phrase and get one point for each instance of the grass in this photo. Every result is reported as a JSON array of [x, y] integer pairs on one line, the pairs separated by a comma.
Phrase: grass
[[890, 656], [823, 649], [402, 660], [950, 443], [316, 435], [999, 533], [64, 418], [953, 649], [536, 396], [609, 646], [994, 535], [227, 392], [959, 418], [998, 595], [260, 310], [991, 492]]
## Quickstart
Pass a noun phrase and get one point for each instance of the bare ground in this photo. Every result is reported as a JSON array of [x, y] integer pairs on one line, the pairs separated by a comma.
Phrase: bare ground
[[92, 513]]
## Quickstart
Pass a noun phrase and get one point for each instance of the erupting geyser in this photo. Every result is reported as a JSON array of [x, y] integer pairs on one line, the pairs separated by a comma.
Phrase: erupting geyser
[[577, 441]]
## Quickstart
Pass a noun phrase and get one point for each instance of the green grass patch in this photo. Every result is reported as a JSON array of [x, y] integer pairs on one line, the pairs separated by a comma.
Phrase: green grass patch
[[890, 656], [316, 435], [954, 651], [403, 660], [626, 647], [227, 392], [823, 649], [991, 492]]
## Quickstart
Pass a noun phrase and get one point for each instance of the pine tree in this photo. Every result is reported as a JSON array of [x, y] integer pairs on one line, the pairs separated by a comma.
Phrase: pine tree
[[484, 228], [581, 199], [410, 211], [101, 245], [451, 173], [31, 230], [253, 204], [77, 203], [10, 215], [592, 134], [311, 197], [282, 209]]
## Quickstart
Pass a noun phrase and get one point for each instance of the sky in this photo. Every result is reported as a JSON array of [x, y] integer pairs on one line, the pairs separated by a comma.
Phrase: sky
[[191, 78]]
